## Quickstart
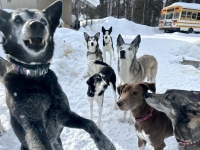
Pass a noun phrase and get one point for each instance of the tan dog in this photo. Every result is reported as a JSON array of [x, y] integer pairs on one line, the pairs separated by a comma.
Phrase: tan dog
[[152, 126]]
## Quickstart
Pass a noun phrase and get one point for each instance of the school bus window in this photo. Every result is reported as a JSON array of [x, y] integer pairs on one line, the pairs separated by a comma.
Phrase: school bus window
[[198, 16], [162, 17], [189, 13], [183, 14], [169, 16], [194, 15], [176, 15]]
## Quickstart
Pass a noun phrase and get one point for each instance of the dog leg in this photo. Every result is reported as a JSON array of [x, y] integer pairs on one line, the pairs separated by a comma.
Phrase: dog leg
[[72, 120], [115, 96], [100, 105], [123, 119], [104, 55], [111, 54], [2, 130], [130, 119], [141, 144], [23, 148], [91, 107]]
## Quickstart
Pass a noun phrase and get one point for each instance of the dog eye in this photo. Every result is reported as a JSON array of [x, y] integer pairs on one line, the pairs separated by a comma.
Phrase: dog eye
[[43, 22], [135, 93], [168, 97], [129, 49], [18, 20]]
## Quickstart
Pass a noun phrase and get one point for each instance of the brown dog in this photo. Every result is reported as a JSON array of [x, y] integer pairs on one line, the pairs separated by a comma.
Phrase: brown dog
[[152, 126]]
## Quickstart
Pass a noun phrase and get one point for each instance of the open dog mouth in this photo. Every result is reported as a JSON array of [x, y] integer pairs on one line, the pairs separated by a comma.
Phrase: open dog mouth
[[35, 43]]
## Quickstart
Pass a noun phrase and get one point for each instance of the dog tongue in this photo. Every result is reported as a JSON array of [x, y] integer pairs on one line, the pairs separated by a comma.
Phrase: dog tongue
[[36, 40]]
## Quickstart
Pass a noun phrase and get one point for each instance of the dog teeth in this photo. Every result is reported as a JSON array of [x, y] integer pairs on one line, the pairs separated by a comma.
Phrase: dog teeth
[[42, 43], [30, 41]]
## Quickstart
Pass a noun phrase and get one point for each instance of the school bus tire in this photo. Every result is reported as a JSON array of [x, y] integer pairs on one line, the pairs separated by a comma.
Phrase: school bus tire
[[190, 30]]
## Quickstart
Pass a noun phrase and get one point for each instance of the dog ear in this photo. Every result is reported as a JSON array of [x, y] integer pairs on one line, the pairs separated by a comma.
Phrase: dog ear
[[110, 30], [97, 35], [4, 17], [103, 29], [136, 41], [120, 88], [53, 13], [149, 86], [86, 36], [90, 81], [120, 40]]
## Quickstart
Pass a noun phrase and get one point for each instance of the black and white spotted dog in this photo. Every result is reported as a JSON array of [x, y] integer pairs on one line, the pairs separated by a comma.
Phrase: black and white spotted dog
[[93, 53], [108, 44], [97, 84], [38, 107]]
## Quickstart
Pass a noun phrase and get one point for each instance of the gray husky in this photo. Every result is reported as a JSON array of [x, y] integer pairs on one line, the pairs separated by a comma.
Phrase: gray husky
[[183, 109], [39, 109], [131, 69]]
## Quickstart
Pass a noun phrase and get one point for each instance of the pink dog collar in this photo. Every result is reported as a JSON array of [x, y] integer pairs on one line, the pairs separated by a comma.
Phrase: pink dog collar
[[183, 144], [145, 117]]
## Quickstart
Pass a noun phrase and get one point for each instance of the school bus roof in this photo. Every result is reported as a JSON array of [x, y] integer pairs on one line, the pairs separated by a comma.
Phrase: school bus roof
[[186, 5]]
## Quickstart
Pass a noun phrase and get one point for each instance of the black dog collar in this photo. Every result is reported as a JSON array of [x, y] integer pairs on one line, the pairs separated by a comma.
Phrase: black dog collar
[[36, 72], [29, 70]]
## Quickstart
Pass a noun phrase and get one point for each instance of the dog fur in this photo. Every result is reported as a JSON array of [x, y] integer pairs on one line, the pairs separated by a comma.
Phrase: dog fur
[[108, 44], [39, 109], [131, 69], [183, 109], [4, 67], [153, 129], [93, 53], [97, 84]]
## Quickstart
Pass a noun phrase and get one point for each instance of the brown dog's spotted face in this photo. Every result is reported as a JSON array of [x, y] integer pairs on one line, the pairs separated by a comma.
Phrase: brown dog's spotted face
[[132, 95]]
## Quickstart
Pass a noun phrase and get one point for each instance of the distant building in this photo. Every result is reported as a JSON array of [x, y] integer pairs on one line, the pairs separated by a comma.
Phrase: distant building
[[38, 4]]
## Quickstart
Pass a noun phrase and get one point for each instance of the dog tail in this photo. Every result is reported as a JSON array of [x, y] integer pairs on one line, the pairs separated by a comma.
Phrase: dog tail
[[100, 63]]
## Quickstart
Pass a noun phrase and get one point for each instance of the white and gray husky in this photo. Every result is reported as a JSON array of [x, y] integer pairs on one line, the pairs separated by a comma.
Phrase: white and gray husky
[[93, 53]]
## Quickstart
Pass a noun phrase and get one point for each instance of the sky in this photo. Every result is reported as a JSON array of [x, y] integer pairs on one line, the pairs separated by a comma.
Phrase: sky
[[70, 65]]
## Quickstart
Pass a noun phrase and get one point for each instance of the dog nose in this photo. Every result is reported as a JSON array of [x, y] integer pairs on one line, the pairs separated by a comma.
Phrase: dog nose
[[147, 95], [36, 25], [105, 37], [122, 54], [120, 103], [92, 44], [105, 86]]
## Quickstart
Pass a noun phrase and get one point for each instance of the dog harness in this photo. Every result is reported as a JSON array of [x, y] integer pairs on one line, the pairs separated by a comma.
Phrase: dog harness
[[145, 117], [185, 144]]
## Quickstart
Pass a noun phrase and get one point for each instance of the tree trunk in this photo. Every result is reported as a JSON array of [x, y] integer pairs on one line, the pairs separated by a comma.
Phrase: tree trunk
[[111, 5]]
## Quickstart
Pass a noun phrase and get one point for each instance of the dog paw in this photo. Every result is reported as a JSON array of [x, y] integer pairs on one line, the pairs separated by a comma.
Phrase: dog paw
[[102, 142], [122, 120], [130, 121], [85, 76], [2, 130]]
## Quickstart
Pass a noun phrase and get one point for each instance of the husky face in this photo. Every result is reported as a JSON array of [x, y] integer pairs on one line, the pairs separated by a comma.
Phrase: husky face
[[106, 34], [92, 41], [28, 33], [127, 51]]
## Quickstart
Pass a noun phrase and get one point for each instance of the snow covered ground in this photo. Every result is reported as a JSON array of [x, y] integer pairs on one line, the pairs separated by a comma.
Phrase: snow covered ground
[[70, 65]]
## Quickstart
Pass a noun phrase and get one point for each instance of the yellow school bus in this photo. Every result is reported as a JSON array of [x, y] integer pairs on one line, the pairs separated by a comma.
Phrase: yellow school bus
[[180, 16]]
